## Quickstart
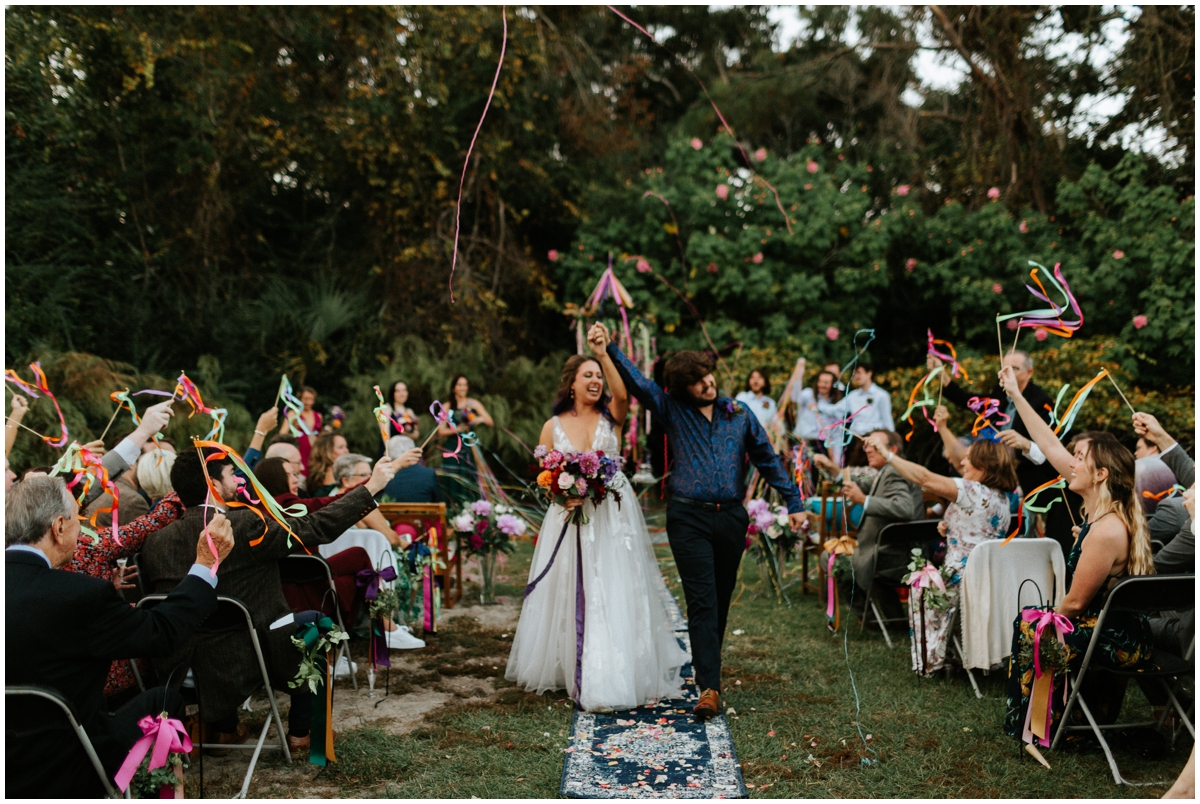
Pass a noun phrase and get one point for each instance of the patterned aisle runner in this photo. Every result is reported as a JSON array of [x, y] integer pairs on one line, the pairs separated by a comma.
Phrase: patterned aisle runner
[[656, 751]]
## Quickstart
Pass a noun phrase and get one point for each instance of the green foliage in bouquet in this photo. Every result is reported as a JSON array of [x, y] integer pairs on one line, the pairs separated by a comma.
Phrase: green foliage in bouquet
[[934, 598]]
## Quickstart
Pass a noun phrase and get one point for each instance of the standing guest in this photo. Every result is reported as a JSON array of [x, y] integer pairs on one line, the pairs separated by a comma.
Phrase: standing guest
[[20, 406], [1112, 544], [757, 397], [51, 645], [312, 420], [816, 409], [466, 415], [326, 449], [413, 484], [711, 438], [836, 371], [870, 405], [402, 420], [978, 511]]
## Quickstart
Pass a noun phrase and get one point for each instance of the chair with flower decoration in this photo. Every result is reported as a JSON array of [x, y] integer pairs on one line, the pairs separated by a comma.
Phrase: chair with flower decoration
[[425, 516]]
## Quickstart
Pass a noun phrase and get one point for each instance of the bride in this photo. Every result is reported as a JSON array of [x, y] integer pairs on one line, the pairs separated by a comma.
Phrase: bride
[[630, 654]]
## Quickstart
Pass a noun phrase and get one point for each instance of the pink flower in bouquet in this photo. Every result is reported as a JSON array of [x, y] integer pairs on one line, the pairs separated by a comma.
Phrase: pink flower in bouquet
[[1140, 321], [643, 267], [760, 155], [764, 520], [697, 143], [757, 504], [566, 481], [589, 463], [552, 254], [994, 193], [553, 459], [902, 190], [1118, 254], [481, 508], [540, 451], [910, 264], [813, 167], [1041, 335], [757, 258], [722, 191], [1024, 228], [511, 525], [476, 541], [997, 288], [581, 487], [832, 333]]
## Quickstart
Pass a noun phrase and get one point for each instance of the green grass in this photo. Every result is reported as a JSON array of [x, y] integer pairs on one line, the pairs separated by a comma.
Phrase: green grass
[[933, 738]]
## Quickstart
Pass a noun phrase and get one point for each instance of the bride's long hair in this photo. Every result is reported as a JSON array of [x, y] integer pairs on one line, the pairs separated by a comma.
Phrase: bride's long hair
[[563, 401]]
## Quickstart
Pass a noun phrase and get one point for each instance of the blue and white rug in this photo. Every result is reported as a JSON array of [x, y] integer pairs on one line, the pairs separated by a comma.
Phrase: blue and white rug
[[658, 751]]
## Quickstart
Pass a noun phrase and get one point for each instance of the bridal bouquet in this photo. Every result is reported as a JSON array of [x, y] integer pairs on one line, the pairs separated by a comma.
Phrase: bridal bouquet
[[580, 476]]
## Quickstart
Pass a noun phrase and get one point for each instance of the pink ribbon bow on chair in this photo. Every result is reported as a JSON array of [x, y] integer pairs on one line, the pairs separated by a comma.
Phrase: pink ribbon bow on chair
[[167, 735], [926, 577], [1062, 625]]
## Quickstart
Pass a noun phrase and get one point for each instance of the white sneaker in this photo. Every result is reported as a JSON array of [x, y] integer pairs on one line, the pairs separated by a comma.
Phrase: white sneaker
[[401, 639], [344, 668]]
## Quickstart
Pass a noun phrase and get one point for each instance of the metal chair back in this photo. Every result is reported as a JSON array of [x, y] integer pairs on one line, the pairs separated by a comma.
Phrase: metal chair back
[[59, 705]]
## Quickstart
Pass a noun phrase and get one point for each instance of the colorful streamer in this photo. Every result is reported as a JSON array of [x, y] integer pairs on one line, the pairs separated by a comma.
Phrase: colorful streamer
[[86, 467], [1027, 504], [467, 161], [985, 408], [165, 736], [949, 356], [1037, 724], [1162, 495], [1068, 418], [381, 417], [273, 509], [125, 400], [295, 409], [610, 287], [927, 401], [1037, 319], [40, 389], [187, 391]]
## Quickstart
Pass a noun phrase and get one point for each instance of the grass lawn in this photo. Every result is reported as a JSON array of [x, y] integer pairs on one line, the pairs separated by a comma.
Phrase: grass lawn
[[932, 738]]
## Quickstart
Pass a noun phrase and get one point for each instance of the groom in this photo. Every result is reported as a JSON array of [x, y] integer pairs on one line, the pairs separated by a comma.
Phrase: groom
[[710, 437]]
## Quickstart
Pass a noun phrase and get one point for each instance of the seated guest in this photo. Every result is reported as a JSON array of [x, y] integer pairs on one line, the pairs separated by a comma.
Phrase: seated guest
[[1113, 544], [327, 448], [228, 669], [1145, 448], [62, 630], [413, 484], [160, 444], [978, 511], [154, 473], [350, 471], [1174, 630], [1170, 452], [131, 502], [757, 397]]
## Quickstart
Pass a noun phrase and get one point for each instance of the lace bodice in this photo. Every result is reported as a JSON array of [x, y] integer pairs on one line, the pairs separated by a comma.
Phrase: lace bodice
[[605, 439]]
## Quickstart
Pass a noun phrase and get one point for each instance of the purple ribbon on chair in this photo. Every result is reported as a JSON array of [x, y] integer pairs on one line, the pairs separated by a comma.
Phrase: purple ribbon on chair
[[166, 735], [370, 578]]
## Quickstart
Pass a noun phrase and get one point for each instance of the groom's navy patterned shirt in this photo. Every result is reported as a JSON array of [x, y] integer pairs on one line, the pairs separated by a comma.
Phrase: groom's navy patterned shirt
[[709, 456]]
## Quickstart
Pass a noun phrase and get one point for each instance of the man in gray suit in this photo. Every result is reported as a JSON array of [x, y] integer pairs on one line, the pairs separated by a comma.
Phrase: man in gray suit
[[890, 498]]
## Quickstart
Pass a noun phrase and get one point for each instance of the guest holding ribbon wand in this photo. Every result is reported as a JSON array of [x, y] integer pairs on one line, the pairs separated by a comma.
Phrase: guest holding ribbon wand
[[1113, 543], [459, 465]]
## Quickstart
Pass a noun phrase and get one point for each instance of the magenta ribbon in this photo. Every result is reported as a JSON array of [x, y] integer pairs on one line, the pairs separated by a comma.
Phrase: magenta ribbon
[[444, 415], [987, 407], [166, 735], [829, 593], [1062, 625]]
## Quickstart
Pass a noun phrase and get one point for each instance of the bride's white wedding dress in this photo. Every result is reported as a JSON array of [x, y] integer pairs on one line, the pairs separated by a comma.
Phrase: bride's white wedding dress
[[630, 654]]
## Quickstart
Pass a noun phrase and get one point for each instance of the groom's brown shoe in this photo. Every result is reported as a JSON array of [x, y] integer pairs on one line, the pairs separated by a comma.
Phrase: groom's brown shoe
[[708, 706]]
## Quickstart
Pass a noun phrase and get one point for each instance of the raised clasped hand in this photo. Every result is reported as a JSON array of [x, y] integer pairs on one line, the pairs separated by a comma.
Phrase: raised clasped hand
[[1008, 382], [598, 338]]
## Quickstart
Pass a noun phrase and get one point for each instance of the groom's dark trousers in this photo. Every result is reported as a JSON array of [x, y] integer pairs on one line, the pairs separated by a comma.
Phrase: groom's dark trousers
[[708, 540]]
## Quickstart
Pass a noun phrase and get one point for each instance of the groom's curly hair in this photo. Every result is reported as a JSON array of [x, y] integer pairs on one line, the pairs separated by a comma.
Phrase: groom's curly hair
[[684, 369]]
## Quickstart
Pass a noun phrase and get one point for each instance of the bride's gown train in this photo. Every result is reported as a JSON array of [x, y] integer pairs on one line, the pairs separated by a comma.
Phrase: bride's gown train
[[630, 654]]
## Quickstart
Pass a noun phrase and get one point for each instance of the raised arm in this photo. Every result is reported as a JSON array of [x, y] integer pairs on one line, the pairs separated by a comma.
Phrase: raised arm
[[1172, 455], [19, 408], [598, 340], [1039, 431], [940, 485], [955, 451], [646, 390]]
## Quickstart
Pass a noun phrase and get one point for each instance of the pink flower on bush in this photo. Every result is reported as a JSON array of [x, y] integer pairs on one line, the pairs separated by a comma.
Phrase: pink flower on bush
[[1024, 229], [1012, 324], [902, 190], [1041, 335], [808, 187], [697, 143], [552, 254], [832, 333], [712, 267], [994, 193], [481, 508], [722, 191], [1140, 321], [813, 167], [997, 288], [476, 541], [910, 264], [760, 155], [643, 266], [757, 258], [1118, 254]]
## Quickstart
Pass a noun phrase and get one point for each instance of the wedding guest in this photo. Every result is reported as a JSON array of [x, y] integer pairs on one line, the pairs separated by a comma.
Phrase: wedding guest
[[1169, 451], [154, 474], [351, 471], [461, 472], [402, 420], [250, 573], [326, 449], [978, 511], [311, 419], [413, 484], [817, 409], [836, 371], [1145, 448], [56, 647], [1112, 544], [1174, 630], [870, 405], [262, 429], [757, 397]]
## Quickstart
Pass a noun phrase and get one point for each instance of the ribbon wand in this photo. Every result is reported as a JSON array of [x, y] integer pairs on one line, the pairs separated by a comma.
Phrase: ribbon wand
[[111, 419], [1122, 393]]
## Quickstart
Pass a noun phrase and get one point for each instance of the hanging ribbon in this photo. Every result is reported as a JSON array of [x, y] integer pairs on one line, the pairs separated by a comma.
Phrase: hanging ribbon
[[429, 584], [1068, 417], [843, 545], [321, 750], [1037, 319], [1026, 503], [267, 502], [381, 417], [949, 356], [370, 579], [1039, 713], [40, 389], [1162, 495], [985, 407], [86, 468], [927, 577], [610, 287], [927, 401], [295, 409], [186, 390], [166, 736]]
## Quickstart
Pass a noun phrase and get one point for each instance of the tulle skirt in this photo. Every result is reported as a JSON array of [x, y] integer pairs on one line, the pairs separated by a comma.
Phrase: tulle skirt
[[630, 653]]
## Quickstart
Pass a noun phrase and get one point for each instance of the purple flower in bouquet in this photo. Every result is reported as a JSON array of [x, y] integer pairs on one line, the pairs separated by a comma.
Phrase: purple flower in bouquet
[[540, 451], [589, 463], [476, 541], [757, 505], [481, 508], [581, 487], [510, 525], [764, 520], [553, 459]]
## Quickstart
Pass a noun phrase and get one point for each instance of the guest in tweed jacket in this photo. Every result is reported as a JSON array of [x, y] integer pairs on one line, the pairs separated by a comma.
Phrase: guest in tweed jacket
[[224, 662]]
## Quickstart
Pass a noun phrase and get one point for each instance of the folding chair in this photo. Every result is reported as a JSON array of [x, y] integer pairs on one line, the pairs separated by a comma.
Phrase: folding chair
[[231, 614], [905, 535], [302, 569], [831, 524], [33, 692], [433, 515], [1141, 594]]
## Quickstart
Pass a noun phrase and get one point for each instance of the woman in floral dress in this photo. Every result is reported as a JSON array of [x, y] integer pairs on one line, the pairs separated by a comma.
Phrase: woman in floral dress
[[978, 511], [1113, 543]]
